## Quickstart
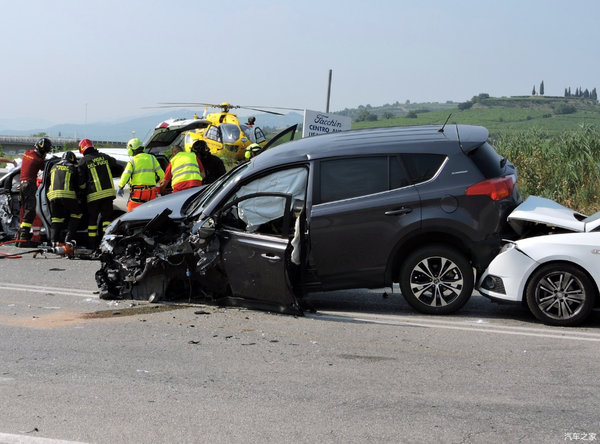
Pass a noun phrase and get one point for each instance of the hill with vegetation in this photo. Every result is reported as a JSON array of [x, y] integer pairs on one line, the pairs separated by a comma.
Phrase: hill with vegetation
[[501, 115]]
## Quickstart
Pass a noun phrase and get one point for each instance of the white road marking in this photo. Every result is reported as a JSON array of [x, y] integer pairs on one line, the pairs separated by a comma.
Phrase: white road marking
[[45, 289], [6, 438], [467, 325]]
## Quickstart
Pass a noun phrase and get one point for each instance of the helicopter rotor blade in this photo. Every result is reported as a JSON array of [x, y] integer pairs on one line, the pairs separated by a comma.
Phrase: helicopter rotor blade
[[223, 107], [270, 107], [262, 110], [212, 105]]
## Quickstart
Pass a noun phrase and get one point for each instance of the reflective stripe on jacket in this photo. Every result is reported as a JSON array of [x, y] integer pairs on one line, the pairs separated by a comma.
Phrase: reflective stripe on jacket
[[143, 169], [184, 167], [63, 182], [95, 175]]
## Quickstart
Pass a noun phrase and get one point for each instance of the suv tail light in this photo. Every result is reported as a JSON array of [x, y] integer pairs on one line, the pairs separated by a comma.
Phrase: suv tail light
[[498, 188]]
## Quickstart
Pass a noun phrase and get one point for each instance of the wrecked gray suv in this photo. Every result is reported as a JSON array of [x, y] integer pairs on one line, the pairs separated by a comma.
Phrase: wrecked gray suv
[[420, 206]]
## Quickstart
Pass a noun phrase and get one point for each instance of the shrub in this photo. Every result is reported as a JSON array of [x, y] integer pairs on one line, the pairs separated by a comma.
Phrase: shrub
[[563, 108], [564, 168]]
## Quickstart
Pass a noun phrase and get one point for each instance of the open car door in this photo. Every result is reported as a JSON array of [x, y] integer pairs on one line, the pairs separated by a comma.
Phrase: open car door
[[256, 256], [41, 198], [284, 136], [169, 132]]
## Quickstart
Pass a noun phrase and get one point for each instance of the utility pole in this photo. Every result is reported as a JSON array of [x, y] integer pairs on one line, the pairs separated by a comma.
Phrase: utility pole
[[328, 92]]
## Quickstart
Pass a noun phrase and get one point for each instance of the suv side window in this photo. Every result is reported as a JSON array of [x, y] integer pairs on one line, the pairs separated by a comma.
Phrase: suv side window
[[359, 176], [422, 167]]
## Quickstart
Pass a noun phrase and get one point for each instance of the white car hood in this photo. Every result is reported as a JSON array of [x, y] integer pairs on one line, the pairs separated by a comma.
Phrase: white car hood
[[545, 211]]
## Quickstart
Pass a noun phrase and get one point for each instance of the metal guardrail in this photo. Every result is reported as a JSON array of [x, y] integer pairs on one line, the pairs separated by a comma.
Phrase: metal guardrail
[[29, 140]]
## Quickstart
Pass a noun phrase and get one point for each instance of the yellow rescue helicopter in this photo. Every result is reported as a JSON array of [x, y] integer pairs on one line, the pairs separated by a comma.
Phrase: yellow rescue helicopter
[[225, 135]]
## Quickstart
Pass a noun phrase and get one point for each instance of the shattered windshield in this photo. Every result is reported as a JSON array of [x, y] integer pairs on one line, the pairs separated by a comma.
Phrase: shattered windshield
[[214, 190]]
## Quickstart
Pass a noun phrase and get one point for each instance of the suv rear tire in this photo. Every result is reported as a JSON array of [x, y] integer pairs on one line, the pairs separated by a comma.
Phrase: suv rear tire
[[436, 280]]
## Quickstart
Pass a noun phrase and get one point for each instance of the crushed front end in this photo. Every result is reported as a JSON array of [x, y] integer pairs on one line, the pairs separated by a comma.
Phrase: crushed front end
[[159, 260]]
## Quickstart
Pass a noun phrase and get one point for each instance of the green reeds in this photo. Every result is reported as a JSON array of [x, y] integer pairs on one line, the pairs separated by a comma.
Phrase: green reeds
[[563, 167]]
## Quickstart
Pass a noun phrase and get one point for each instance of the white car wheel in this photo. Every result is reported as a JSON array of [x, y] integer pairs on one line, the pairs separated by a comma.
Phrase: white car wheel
[[560, 294]]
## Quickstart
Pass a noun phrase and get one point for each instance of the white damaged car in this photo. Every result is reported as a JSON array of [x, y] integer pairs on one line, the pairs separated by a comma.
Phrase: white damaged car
[[554, 269]]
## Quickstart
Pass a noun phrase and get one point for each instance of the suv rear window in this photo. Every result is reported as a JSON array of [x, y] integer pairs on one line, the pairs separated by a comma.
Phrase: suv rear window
[[359, 176], [422, 167], [487, 160]]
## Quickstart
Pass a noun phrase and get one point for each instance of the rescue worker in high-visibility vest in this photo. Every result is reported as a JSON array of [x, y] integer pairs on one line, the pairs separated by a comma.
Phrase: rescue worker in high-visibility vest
[[252, 150], [185, 171], [142, 173], [96, 180], [33, 163], [62, 194]]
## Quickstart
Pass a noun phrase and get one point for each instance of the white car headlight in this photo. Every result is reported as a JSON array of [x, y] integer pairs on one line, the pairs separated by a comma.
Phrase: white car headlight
[[509, 245]]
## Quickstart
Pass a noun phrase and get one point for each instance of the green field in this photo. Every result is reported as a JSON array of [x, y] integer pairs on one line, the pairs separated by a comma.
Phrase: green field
[[503, 116]]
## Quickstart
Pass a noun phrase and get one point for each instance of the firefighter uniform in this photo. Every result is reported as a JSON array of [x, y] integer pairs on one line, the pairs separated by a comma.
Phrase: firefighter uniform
[[95, 178], [142, 173], [32, 164], [62, 194]]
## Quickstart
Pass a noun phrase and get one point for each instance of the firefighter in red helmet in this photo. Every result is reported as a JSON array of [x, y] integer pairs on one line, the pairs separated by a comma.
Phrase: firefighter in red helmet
[[95, 178]]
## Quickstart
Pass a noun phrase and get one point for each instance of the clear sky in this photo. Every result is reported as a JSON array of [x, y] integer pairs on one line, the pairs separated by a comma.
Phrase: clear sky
[[76, 61]]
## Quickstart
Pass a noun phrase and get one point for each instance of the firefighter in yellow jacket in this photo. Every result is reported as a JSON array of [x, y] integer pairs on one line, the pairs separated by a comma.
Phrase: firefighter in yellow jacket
[[142, 173], [62, 194]]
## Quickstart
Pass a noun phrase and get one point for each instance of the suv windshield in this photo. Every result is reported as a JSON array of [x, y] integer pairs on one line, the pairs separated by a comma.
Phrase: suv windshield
[[214, 189]]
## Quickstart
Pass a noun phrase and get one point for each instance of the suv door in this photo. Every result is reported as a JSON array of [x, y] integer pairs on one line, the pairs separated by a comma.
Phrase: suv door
[[259, 236], [362, 207], [256, 262]]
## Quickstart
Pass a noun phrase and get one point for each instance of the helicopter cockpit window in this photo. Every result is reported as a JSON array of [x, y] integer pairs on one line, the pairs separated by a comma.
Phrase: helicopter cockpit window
[[248, 132], [213, 133], [231, 133], [259, 135]]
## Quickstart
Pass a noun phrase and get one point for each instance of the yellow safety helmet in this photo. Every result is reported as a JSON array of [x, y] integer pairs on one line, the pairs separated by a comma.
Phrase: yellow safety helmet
[[250, 148], [134, 145]]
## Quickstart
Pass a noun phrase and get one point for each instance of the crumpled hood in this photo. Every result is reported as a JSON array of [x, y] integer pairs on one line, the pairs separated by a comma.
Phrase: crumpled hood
[[174, 201], [540, 210]]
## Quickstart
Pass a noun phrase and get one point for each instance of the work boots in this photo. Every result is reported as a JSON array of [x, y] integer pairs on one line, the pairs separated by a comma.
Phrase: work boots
[[24, 234]]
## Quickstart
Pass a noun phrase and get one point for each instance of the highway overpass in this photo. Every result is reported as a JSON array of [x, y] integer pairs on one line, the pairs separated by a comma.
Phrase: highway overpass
[[15, 145]]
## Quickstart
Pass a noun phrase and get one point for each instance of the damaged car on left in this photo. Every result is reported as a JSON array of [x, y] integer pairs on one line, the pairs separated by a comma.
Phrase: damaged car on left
[[10, 206]]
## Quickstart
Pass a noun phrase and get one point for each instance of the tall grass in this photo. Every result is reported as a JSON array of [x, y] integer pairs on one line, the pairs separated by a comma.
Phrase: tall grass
[[564, 167]]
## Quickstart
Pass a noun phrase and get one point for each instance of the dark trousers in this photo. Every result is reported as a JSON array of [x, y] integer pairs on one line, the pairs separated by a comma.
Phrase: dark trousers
[[100, 207], [62, 209], [27, 198]]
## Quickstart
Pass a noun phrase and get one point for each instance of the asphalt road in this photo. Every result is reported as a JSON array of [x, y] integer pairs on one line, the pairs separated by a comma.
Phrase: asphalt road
[[364, 369]]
